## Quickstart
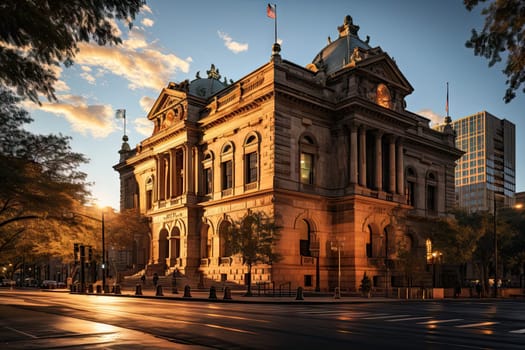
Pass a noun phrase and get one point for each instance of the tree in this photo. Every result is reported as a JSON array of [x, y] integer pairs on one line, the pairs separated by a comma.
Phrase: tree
[[37, 35], [39, 174], [504, 31], [254, 238]]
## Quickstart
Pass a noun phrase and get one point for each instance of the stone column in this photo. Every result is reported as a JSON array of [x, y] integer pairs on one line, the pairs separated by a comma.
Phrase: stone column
[[157, 183], [392, 165], [379, 162], [353, 154], [188, 169], [400, 168], [362, 156], [173, 172]]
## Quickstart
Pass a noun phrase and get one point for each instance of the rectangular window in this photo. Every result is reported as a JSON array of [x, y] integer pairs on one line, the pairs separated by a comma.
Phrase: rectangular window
[[250, 163], [307, 280], [304, 247], [149, 199], [208, 182], [307, 168], [227, 175], [431, 198]]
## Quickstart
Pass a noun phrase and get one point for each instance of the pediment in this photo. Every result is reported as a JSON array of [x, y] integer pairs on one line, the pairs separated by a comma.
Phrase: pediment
[[383, 69], [169, 108]]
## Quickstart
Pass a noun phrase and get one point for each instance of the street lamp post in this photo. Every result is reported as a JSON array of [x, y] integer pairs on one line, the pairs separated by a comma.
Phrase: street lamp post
[[338, 245], [103, 256], [495, 249], [314, 250]]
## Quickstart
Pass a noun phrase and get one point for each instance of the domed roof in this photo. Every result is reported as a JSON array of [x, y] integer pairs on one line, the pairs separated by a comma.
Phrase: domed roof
[[338, 53], [206, 87]]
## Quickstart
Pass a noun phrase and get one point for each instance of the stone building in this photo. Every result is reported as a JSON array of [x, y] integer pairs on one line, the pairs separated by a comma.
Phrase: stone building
[[328, 150]]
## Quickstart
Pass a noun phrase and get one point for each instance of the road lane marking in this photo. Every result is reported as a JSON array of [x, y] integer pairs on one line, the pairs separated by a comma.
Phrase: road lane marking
[[22, 332], [228, 328], [410, 319], [519, 331], [237, 318], [441, 321], [480, 324]]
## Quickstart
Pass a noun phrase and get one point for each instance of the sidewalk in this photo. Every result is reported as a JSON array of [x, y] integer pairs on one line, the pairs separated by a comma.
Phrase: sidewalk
[[239, 296]]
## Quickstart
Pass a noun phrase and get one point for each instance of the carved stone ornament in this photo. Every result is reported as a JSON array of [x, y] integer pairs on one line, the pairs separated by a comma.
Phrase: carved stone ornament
[[383, 97]]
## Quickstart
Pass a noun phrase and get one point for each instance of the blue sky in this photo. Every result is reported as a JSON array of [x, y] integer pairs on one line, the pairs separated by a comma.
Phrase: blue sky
[[173, 40]]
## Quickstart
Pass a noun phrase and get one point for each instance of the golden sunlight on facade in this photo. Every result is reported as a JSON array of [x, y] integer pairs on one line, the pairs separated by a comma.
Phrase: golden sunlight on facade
[[328, 150]]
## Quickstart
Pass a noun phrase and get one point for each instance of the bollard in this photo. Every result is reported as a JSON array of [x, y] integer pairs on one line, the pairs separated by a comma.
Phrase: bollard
[[187, 291], [138, 289], [99, 289], [227, 293], [299, 295], [90, 289], [117, 289], [159, 291], [337, 294], [106, 289], [213, 293]]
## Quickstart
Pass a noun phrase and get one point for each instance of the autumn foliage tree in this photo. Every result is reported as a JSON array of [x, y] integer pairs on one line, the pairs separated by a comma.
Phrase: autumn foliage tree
[[36, 36], [254, 238], [502, 34]]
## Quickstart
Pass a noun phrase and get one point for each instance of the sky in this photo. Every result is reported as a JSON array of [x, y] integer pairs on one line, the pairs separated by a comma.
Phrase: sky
[[171, 41]]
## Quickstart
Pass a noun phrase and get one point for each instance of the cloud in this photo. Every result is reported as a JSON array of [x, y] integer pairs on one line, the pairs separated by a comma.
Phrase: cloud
[[97, 120], [233, 46], [435, 118], [88, 77], [141, 63], [147, 22], [143, 126], [146, 8], [146, 103]]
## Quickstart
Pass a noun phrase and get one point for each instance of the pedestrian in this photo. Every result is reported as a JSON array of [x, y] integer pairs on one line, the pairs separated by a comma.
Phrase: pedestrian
[[143, 278], [155, 279], [478, 289]]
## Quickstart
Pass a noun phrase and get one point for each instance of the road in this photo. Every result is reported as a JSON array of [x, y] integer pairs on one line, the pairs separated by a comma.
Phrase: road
[[44, 320]]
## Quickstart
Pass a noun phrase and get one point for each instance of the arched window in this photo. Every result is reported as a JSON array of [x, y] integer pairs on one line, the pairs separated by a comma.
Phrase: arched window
[[227, 170], [149, 193], [207, 173], [224, 249], [175, 243], [410, 188], [304, 238], [368, 239], [251, 161], [431, 193], [307, 159], [163, 246]]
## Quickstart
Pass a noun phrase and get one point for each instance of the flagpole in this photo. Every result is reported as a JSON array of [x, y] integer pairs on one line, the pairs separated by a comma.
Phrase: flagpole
[[275, 24], [447, 99]]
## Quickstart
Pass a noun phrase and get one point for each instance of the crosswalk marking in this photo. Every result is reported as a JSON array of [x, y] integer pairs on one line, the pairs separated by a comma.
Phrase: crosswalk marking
[[471, 325], [384, 317], [441, 321]]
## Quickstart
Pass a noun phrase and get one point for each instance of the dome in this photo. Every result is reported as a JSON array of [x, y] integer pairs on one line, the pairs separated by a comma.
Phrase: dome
[[206, 87], [338, 53]]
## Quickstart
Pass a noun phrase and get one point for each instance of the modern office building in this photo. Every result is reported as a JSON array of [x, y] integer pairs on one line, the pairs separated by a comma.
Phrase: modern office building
[[485, 174], [327, 150]]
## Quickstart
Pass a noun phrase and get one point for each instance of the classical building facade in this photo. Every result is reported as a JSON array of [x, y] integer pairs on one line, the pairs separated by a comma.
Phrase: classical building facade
[[327, 150]]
